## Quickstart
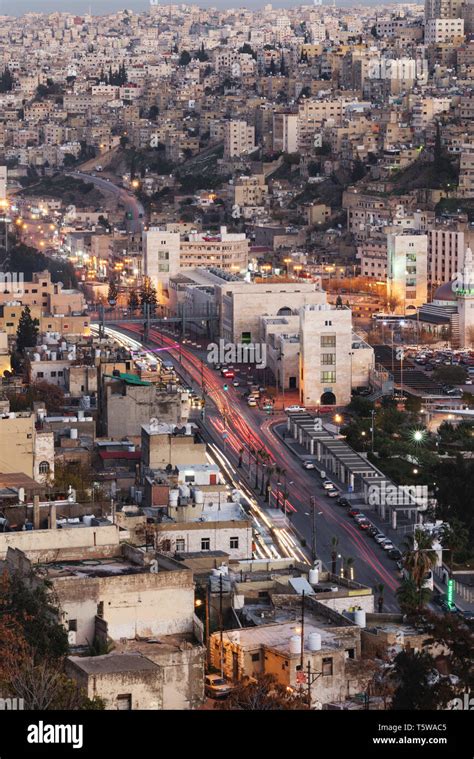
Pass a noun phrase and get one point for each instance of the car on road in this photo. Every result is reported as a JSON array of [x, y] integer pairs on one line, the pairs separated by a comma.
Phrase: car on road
[[468, 617], [216, 686], [395, 554], [387, 545], [380, 537], [373, 531], [328, 485], [353, 512], [333, 493], [295, 408], [360, 517], [343, 502], [251, 402], [322, 474], [364, 524], [236, 383], [308, 465]]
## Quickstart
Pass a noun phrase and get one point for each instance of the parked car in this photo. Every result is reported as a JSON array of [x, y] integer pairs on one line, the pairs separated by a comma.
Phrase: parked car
[[328, 485], [308, 465], [332, 493], [380, 537], [216, 686], [363, 524], [251, 402], [353, 512], [343, 502], [373, 531], [322, 474], [360, 517], [394, 554], [294, 407], [387, 545]]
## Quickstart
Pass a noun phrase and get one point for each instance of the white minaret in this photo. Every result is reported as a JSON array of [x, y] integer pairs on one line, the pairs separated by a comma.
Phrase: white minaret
[[465, 300]]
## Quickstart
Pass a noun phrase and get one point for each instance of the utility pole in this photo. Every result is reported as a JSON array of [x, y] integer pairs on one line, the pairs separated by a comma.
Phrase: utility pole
[[221, 626], [313, 529], [302, 630], [372, 413], [208, 622]]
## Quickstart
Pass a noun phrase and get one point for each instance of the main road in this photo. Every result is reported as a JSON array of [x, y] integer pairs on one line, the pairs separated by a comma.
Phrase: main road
[[131, 203], [234, 427]]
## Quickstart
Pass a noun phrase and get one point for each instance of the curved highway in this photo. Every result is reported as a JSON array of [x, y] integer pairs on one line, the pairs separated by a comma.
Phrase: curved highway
[[131, 203]]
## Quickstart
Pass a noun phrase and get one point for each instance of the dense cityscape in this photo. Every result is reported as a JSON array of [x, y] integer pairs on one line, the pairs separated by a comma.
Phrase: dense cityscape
[[237, 359]]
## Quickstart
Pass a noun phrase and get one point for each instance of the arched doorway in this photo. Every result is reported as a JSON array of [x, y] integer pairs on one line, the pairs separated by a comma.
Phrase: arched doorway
[[285, 311], [328, 399]]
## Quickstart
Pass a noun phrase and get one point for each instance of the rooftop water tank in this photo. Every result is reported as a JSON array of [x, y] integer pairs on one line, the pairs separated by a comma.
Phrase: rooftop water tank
[[295, 644], [189, 429], [73, 433], [314, 642], [174, 495], [313, 576], [198, 497], [359, 618], [184, 491]]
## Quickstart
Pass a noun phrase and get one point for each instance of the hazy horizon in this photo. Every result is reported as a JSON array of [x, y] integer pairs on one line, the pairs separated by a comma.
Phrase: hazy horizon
[[103, 7]]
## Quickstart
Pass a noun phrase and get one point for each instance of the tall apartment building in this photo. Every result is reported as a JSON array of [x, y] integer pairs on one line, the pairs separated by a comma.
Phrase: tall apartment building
[[325, 355], [407, 270], [443, 9], [444, 30], [446, 246], [285, 132], [239, 138], [161, 252]]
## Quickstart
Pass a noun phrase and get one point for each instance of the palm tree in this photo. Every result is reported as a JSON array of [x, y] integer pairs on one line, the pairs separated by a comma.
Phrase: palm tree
[[334, 543], [410, 597], [419, 557], [268, 487], [454, 537]]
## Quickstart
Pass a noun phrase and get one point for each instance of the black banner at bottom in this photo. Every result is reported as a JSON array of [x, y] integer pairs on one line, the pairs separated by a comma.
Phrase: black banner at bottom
[[84, 734]]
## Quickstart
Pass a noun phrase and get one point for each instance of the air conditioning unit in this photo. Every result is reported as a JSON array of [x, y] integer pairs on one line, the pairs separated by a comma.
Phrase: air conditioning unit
[[71, 637]]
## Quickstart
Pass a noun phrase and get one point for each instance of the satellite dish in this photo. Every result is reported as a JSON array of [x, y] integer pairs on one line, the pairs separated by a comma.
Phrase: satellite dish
[[154, 423]]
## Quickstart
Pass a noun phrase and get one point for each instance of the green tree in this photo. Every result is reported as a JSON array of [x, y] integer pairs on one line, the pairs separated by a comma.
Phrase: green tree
[[6, 80], [133, 300], [419, 558], [418, 684], [31, 601], [339, 303], [409, 596], [184, 58], [454, 539], [27, 332], [148, 293], [113, 293]]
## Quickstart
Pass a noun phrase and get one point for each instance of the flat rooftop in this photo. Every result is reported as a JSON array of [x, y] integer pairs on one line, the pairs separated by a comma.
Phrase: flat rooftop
[[279, 634], [113, 663]]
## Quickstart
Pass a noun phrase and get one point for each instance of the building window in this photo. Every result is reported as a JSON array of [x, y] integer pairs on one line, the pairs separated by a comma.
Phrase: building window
[[234, 542], [43, 467], [40, 374], [256, 657], [180, 544], [124, 702], [328, 376], [327, 667], [205, 544], [328, 358], [72, 625], [328, 341]]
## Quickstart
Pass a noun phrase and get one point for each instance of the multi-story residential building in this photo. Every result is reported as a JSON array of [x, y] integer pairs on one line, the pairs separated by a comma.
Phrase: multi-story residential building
[[161, 256], [407, 270], [227, 251], [444, 30], [239, 139], [285, 132]]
